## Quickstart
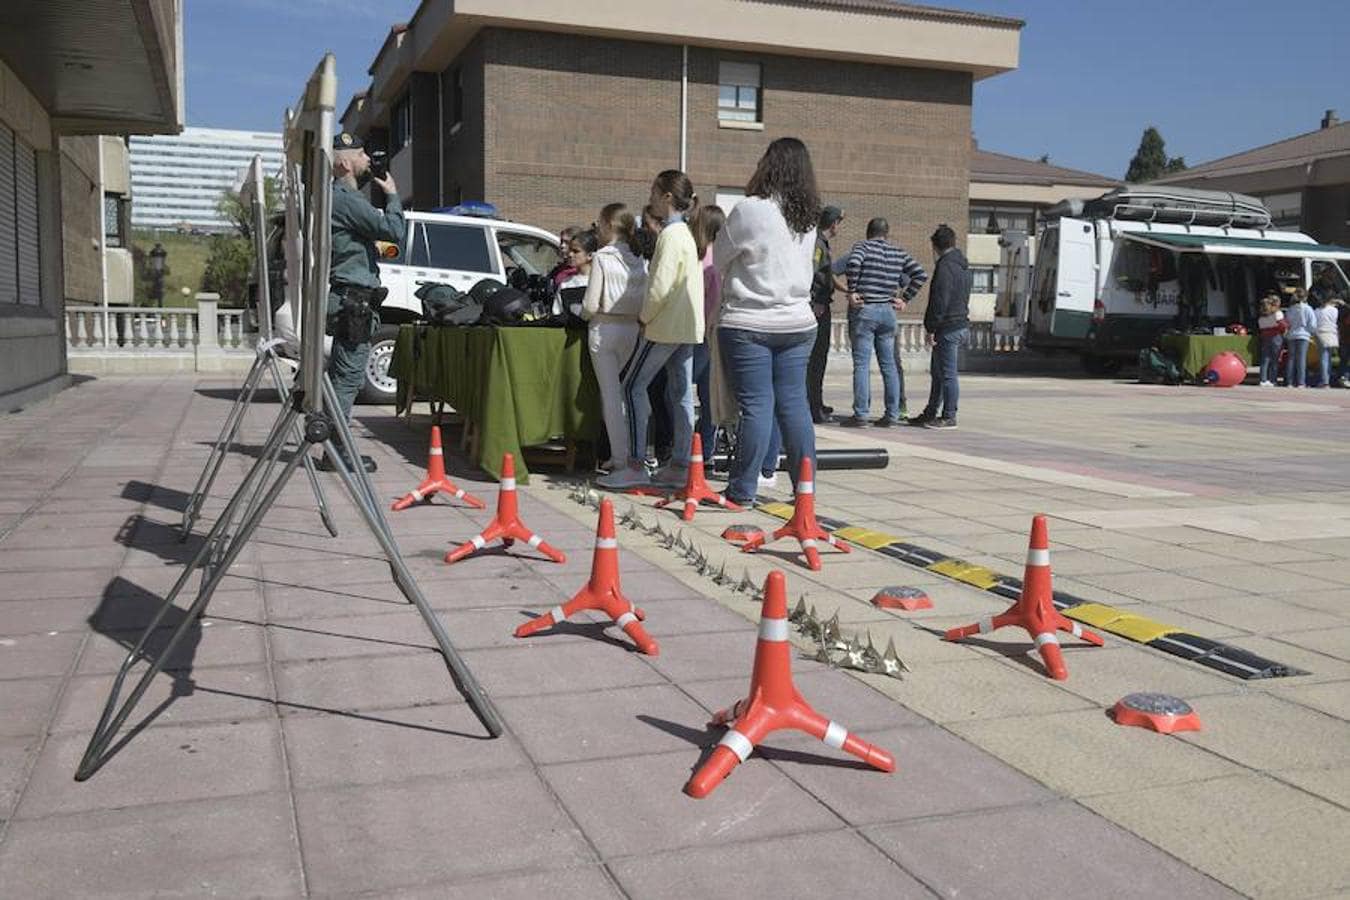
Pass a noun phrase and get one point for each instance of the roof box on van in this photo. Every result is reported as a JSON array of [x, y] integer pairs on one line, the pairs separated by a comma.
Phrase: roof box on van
[[1172, 205]]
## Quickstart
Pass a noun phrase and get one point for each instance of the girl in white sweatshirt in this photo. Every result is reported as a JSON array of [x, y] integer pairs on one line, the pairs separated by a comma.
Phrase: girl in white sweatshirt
[[613, 300], [672, 325]]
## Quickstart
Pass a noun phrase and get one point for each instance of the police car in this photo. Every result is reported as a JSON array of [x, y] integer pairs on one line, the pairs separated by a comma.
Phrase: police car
[[459, 246]]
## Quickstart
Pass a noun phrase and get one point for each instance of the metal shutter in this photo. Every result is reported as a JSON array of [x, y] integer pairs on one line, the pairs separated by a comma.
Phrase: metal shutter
[[9, 272], [26, 204]]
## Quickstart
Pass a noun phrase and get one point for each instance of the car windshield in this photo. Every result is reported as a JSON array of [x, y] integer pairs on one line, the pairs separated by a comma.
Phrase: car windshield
[[534, 255]]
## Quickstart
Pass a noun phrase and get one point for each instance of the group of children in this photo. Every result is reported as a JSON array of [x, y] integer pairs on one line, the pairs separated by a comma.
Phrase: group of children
[[1294, 329], [693, 294]]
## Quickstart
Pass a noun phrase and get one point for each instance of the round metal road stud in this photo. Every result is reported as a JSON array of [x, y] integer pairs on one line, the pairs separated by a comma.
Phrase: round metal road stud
[[1161, 712]]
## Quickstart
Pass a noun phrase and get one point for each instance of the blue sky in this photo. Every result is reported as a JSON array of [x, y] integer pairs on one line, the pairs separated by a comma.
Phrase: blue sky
[[1215, 77]]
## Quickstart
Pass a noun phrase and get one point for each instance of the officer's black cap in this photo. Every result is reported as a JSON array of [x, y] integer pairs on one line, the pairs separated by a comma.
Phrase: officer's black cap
[[346, 141]]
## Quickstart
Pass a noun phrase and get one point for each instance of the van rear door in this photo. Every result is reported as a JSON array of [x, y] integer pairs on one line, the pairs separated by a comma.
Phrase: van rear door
[[1075, 279]]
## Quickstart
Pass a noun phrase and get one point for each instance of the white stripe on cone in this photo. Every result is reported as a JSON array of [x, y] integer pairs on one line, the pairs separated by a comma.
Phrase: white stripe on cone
[[806, 487], [773, 630], [808, 543], [535, 540], [478, 541], [1046, 637], [606, 543], [436, 451], [508, 484], [1038, 556], [739, 744], [986, 626], [835, 735], [558, 614], [625, 620], [417, 495]]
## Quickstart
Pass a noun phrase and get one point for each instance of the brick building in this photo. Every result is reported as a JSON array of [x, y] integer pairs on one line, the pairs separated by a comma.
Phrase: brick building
[[518, 103]]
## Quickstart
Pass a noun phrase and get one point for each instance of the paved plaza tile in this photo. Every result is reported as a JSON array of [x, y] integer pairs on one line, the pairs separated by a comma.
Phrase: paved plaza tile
[[308, 740]]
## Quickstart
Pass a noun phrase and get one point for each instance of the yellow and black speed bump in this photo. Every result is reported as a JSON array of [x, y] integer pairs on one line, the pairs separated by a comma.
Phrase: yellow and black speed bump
[[1216, 655]]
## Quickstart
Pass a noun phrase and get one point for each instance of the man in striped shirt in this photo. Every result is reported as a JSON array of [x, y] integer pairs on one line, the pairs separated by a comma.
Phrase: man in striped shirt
[[882, 280]]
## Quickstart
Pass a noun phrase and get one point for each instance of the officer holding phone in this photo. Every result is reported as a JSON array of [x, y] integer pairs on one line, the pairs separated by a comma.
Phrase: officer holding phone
[[355, 294]]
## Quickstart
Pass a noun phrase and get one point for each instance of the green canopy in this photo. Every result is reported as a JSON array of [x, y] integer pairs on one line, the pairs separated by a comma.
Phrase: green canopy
[[1224, 245]]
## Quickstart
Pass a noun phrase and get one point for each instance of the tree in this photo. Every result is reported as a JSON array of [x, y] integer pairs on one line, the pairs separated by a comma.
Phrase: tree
[[228, 268], [240, 214], [1150, 160]]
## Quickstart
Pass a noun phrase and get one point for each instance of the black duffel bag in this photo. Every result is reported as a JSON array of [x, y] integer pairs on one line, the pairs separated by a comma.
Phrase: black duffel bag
[[443, 304]]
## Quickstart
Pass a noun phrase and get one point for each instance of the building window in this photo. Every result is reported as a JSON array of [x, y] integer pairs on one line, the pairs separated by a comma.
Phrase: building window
[[738, 92], [727, 198], [114, 220], [987, 219], [984, 280], [20, 253], [455, 96], [400, 124]]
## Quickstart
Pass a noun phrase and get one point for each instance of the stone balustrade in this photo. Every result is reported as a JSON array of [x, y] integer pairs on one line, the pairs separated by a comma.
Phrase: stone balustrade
[[108, 340]]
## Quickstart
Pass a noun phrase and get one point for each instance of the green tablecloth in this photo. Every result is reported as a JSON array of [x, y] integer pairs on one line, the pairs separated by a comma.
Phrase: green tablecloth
[[520, 386], [1194, 351]]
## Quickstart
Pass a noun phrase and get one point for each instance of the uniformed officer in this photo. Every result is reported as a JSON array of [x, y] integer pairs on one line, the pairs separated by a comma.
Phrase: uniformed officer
[[355, 294]]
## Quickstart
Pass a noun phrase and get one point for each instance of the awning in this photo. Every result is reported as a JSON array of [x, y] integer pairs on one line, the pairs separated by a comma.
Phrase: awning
[[1221, 245]]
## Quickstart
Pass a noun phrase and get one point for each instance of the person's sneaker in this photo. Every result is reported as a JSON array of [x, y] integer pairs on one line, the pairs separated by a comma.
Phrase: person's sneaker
[[625, 478], [1266, 384], [941, 423], [821, 418], [886, 422], [671, 476], [919, 421], [853, 422], [827, 410], [768, 482]]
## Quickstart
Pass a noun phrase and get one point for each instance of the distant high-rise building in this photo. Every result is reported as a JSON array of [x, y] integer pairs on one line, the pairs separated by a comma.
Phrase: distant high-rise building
[[177, 180]]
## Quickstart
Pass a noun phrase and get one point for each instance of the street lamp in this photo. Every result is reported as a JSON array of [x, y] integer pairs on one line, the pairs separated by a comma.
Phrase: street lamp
[[157, 270]]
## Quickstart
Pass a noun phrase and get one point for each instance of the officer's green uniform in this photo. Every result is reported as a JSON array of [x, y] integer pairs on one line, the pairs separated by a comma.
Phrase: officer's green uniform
[[356, 227]]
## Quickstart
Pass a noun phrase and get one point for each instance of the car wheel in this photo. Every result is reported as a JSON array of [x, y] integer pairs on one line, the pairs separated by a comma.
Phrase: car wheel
[[380, 386]]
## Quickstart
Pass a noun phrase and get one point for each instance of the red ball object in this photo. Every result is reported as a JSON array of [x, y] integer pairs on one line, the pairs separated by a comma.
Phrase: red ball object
[[1226, 369]]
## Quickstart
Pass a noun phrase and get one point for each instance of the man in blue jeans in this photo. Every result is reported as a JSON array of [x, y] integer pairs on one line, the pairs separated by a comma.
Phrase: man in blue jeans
[[947, 321], [882, 279]]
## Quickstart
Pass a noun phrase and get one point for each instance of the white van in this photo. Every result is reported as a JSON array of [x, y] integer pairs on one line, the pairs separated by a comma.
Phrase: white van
[[1113, 273], [447, 249]]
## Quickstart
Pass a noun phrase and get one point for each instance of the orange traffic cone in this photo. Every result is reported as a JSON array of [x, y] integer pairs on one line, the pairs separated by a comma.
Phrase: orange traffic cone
[[1035, 610], [696, 487], [506, 526], [802, 525], [602, 592], [773, 704], [436, 479]]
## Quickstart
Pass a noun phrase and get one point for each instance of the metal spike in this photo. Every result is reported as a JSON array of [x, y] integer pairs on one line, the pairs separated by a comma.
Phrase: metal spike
[[871, 656], [799, 611], [855, 655], [829, 630], [823, 654], [701, 565], [746, 584], [721, 576], [891, 663], [679, 540]]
